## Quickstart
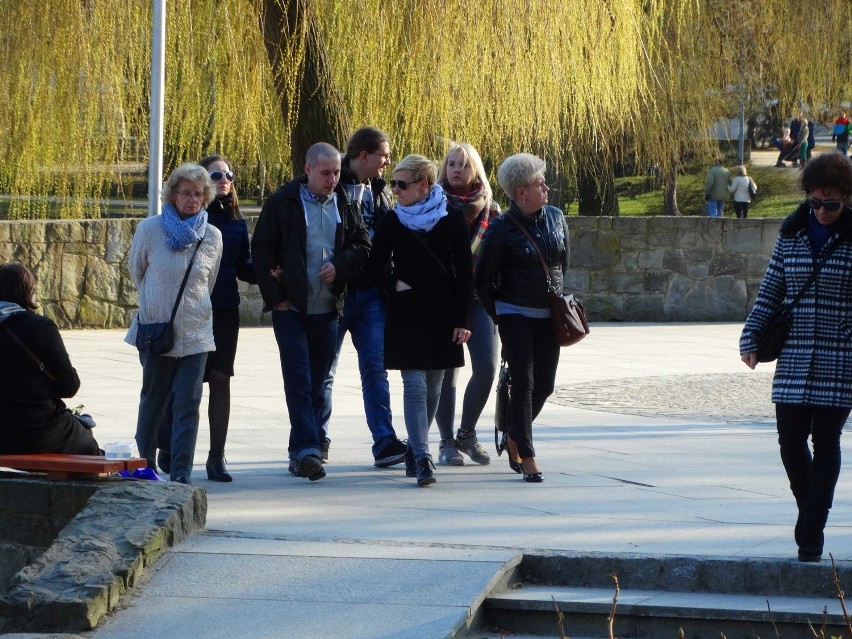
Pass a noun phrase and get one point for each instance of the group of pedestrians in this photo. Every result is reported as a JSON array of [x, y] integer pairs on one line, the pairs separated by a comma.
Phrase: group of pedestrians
[[719, 185], [331, 255]]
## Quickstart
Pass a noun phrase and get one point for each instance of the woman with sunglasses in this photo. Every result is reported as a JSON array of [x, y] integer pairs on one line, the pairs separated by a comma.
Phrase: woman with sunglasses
[[223, 213], [421, 259], [463, 179], [812, 389]]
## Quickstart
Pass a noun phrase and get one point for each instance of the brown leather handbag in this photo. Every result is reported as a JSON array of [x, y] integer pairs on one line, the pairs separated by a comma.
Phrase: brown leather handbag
[[567, 315]]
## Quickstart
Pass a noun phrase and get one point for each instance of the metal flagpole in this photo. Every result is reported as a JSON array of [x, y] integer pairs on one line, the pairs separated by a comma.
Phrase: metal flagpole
[[155, 126]]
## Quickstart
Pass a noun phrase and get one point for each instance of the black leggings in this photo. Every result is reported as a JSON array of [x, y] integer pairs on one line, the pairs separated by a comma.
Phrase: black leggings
[[533, 355]]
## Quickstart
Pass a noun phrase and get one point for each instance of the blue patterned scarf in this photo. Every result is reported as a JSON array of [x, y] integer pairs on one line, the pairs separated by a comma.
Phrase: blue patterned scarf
[[424, 215], [182, 233]]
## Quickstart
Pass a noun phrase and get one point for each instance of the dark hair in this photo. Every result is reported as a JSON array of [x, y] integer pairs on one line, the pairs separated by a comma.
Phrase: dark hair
[[367, 138], [831, 169], [17, 285], [206, 161]]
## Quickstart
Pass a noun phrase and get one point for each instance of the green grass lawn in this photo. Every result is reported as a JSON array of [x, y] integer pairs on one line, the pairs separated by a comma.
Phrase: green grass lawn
[[778, 194]]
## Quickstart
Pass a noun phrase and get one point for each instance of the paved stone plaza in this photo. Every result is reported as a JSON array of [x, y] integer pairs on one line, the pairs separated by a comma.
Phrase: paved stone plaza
[[659, 441]]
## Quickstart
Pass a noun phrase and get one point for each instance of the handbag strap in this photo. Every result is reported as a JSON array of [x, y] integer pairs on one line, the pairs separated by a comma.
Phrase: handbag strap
[[811, 279], [39, 363], [430, 252], [526, 233], [185, 278]]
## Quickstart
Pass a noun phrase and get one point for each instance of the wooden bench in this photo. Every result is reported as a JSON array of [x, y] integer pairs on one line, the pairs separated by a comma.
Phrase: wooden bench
[[61, 467]]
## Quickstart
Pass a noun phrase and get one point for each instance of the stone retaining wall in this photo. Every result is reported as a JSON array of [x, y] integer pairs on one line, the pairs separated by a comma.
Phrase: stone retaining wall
[[648, 269]]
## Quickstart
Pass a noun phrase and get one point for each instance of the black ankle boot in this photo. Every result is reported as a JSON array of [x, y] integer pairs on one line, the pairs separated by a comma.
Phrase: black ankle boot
[[216, 470]]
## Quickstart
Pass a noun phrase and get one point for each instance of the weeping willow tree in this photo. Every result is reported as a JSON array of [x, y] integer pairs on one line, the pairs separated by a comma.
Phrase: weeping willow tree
[[583, 83]]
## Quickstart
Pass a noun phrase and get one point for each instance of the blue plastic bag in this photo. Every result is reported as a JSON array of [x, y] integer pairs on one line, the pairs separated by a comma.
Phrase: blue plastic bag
[[141, 473]]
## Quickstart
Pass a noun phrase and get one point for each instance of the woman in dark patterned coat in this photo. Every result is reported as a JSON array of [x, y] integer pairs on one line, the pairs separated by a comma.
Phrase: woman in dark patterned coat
[[812, 390]]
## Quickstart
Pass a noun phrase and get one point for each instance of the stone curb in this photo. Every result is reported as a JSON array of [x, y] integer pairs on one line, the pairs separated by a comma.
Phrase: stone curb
[[125, 526]]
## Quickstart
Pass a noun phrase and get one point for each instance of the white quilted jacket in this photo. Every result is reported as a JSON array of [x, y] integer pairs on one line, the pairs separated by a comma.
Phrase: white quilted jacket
[[157, 272]]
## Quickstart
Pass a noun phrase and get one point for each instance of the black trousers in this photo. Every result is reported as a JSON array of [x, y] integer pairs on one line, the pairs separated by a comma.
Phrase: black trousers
[[532, 354], [813, 477]]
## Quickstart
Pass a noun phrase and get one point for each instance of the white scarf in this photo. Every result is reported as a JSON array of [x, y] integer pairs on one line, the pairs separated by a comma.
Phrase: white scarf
[[424, 215]]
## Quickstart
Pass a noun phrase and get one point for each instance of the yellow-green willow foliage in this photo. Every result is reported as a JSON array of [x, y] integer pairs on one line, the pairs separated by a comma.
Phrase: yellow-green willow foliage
[[75, 97]]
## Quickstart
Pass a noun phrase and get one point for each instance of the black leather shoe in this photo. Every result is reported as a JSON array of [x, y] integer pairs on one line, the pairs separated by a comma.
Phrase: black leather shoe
[[425, 476], [310, 466], [516, 466], [164, 461], [216, 470], [535, 478]]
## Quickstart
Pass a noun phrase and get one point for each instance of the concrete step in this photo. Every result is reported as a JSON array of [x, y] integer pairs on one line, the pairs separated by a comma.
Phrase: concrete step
[[706, 597]]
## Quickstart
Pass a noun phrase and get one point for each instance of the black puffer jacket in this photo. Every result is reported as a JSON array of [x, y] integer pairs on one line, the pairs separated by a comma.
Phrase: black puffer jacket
[[509, 269], [280, 240]]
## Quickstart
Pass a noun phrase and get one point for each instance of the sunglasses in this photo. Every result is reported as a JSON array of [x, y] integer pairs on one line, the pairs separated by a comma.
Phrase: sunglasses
[[402, 184], [828, 205], [217, 176]]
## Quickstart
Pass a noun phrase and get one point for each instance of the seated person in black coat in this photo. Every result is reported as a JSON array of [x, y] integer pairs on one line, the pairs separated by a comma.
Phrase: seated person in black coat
[[33, 417]]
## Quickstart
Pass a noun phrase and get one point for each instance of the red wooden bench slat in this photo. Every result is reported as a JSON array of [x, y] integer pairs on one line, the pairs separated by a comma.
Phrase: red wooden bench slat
[[61, 466]]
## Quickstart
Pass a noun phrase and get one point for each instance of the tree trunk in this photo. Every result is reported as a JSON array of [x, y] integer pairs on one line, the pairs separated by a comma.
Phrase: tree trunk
[[596, 187], [670, 190], [316, 113]]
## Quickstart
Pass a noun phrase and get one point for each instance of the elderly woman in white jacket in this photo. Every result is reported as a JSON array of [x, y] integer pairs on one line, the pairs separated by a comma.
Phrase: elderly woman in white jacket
[[740, 187], [163, 249]]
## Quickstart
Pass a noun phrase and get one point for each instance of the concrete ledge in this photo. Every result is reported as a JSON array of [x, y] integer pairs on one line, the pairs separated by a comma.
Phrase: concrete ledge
[[102, 552]]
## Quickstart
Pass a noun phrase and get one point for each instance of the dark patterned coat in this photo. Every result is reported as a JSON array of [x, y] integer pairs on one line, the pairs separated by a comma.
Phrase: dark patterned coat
[[815, 366]]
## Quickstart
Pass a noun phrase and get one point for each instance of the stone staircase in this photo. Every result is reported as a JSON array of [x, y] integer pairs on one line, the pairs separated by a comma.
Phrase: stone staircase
[[706, 597]]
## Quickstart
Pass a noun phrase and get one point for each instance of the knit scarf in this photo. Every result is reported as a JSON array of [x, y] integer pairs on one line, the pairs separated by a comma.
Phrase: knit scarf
[[478, 211], [424, 215], [182, 233]]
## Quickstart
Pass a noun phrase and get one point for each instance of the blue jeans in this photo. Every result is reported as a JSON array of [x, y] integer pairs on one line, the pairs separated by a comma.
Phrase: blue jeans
[[306, 349], [482, 347], [364, 317], [175, 380], [715, 208], [421, 391]]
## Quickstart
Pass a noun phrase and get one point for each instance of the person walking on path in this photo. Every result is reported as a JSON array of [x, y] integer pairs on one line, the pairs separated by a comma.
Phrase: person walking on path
[[513, 290], [364, 313], [840, 133], [463, 179], [716, 189], [421, 258], [178, 245], [742, 186], [308, 242], [812, 388]]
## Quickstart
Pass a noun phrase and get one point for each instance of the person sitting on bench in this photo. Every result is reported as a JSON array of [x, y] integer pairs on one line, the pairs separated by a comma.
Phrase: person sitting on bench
[[35, 373]]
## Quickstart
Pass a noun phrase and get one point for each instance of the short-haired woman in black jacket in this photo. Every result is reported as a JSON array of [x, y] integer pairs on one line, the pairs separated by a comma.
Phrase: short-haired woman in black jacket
[[512, 287], [35, 419]]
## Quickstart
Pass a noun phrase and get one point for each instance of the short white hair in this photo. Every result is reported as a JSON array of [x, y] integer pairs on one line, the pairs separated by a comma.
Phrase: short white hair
[[518, 171], [192, 173]]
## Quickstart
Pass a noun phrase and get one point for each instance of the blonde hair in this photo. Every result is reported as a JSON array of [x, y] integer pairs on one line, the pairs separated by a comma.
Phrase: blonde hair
[[192, 173], [740, 169], [471, 158], [421, 168]]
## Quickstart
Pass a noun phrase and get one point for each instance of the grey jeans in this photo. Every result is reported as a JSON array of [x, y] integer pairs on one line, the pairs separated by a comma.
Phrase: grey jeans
[[421, 390], [482, 348]]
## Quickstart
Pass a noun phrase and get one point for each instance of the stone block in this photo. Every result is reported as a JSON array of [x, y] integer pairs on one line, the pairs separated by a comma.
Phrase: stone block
[[603, 307], [608, 282], [251, 310], [728, 264], [28, 232], [675, 261], [49, 272], [744, 238], [643, 308], [757, 264], [130, 296], [65, 232], [103, 280], [657, 281], [93, 313], [73, 276], [698, 271], [118, 237], [651, 259], [577, 281], [5, 232], [630, 260], [721, 299], [594, 250]]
